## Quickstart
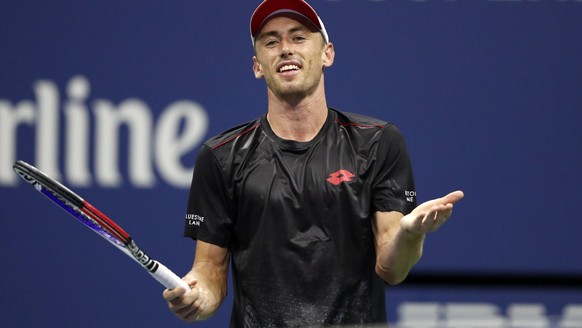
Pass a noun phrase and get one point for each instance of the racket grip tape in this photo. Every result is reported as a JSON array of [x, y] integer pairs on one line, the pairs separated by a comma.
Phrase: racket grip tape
[[168, 278]]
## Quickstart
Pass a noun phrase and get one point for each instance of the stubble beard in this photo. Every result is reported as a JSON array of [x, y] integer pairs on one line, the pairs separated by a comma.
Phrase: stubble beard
[[296, 91]]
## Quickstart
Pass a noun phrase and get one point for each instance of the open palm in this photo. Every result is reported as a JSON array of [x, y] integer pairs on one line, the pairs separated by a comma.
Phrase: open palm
[[430, 215]]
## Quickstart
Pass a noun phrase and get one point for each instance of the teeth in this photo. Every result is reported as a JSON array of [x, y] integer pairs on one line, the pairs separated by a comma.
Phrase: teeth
[[288, 68]]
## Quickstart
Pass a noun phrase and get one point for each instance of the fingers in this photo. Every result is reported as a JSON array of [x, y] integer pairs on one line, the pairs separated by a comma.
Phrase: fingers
[[453, 197], [431, 215], [435, 218], [193, 312], [450, 198], [187, 305], [173, 294]]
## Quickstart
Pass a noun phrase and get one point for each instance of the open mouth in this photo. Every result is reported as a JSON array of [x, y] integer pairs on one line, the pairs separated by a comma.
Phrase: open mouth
[[288, 67]]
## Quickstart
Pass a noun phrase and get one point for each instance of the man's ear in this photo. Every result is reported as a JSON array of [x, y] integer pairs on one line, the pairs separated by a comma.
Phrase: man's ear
[[328, 55], [257, 68]]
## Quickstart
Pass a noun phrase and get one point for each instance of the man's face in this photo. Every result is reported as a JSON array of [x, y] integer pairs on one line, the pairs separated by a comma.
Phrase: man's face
[[291, 57]]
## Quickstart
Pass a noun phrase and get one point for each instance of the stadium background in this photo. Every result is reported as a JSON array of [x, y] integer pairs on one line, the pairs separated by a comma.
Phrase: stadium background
[[488, 94]]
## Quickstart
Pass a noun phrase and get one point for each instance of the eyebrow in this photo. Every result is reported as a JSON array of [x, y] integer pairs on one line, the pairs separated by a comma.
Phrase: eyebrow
[[275, 33]]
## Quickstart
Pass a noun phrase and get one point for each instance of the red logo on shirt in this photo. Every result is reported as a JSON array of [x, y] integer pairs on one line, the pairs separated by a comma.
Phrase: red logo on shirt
[[340, 176]]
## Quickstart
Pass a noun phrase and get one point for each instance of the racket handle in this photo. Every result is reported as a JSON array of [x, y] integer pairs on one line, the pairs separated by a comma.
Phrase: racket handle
[[168, 278]]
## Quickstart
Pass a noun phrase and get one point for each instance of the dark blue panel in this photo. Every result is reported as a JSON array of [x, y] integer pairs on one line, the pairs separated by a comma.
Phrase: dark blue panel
[[488, 94]]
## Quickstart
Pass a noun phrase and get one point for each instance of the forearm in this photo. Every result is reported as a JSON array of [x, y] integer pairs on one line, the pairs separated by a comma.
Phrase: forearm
[[208, 282], [396, 256], [399, 238], [212, 288]]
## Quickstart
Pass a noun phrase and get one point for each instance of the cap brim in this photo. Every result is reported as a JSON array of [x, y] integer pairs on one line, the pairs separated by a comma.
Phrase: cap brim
[[268, 9]]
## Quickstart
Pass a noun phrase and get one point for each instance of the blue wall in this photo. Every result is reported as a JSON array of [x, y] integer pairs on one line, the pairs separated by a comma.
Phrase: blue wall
[[488, 94]]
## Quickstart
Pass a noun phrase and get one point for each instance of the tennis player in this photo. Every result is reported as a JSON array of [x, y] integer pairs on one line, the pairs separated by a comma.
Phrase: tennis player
[[314, 207]]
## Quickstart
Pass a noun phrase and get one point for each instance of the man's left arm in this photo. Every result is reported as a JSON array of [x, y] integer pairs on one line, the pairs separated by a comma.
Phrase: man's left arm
[[399, 238]]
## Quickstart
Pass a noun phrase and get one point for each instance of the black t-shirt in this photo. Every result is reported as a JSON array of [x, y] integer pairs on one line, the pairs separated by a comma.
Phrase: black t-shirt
[[296, 217]]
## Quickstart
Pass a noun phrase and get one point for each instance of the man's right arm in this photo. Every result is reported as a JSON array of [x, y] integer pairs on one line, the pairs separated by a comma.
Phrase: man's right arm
[[208, 279]]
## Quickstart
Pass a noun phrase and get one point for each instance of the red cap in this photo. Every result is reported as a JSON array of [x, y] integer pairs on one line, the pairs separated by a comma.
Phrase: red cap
[[269, 8]]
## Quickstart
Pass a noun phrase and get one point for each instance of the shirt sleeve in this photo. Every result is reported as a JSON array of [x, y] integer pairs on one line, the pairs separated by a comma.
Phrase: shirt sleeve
[[207, 216], [393, 186]]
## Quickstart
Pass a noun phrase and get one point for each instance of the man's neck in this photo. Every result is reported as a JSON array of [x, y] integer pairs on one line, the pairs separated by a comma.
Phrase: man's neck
[[299, 122], [297, 119]]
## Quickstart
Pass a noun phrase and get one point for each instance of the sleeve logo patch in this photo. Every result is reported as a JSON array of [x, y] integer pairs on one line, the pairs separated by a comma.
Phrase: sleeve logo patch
[[194, 219]]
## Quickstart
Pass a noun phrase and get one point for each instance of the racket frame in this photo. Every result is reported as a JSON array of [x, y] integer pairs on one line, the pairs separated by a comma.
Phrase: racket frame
[[97, 221]]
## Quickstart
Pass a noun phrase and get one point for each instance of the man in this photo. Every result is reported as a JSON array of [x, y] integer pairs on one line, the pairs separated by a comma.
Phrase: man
[[315, 207]]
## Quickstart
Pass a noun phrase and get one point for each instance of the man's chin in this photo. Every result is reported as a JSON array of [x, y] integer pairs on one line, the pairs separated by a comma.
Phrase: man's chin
[[291, 93]]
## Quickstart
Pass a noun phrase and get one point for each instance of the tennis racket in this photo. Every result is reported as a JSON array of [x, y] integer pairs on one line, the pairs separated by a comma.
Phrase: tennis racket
[[96, 221]]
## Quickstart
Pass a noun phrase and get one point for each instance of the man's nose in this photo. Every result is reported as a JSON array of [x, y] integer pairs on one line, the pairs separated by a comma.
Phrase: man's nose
[[286, 49]]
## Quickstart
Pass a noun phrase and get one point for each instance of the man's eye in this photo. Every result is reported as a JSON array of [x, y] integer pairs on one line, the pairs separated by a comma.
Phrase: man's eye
[[270, 43], [299, 38]]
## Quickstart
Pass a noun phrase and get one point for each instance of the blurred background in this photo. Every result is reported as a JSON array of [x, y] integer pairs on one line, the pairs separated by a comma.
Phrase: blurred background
[[114, 98]]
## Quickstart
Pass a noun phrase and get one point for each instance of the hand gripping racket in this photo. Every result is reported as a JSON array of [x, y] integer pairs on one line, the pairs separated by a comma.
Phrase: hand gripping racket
[[96, 221]]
